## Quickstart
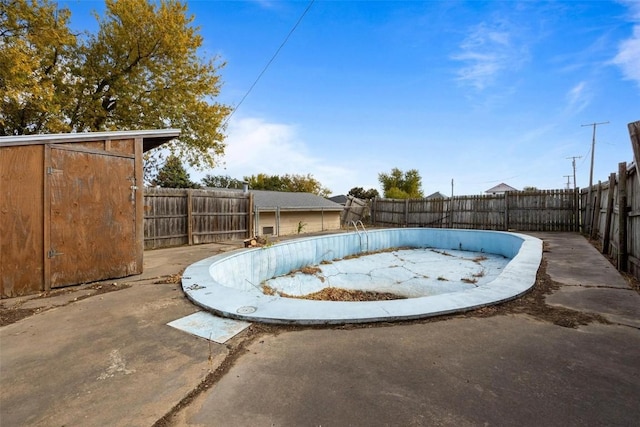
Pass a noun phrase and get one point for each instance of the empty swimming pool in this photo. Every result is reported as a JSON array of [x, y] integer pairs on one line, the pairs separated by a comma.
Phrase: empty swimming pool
[[494, 267]]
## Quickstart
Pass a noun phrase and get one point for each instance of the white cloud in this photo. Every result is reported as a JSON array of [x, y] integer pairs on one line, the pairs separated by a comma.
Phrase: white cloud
[[486, 52], [628, 57], [254, 146], [578, 98]]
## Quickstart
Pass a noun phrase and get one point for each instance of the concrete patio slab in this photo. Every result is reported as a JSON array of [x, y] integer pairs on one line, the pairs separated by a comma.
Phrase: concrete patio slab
[[112, 360], [576, 262], [505, 370], [616, 305], [590, 282], [79, 364]]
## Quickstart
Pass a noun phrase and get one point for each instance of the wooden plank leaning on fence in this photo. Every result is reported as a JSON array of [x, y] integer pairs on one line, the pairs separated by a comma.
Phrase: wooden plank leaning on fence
[[606, 239], [622, 216]]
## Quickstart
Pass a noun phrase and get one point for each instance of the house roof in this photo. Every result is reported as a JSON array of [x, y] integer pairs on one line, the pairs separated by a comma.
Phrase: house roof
[[437, 195], [285, 200], [342, 199], [292, 201], [501, 188], [150, 138]]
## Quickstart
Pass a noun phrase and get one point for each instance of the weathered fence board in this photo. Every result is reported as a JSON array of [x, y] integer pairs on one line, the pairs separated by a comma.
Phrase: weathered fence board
[[606, 219], [354, 210], [615, 222], [546, 210], [175, 217]]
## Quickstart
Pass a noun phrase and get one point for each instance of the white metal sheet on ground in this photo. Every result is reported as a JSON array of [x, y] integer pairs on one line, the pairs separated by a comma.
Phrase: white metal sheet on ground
[[208, 326]]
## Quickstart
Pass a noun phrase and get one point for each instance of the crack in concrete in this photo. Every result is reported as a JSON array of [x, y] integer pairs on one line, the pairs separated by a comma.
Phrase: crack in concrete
[[580, 285]]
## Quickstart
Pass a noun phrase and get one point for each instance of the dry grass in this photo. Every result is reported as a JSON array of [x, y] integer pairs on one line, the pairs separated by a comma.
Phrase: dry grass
[[338, 294], [268, 290], [311, 270], [469, 280], [335, 294]]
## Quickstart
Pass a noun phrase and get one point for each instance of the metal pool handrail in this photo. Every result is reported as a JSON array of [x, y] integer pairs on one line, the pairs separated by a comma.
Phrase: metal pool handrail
[[360, 233]]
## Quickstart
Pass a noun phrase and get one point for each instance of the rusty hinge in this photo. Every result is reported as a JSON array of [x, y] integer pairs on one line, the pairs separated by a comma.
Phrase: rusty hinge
[[52, 252]]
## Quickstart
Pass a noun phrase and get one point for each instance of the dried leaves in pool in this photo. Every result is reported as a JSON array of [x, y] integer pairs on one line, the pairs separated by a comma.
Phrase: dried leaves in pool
[[337, 294]]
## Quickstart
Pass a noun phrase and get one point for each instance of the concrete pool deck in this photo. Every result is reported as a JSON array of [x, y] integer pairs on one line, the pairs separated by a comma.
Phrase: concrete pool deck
[[507, 369], [231, 285]]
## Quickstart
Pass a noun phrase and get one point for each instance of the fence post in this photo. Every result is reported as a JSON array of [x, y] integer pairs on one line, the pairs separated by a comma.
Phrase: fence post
[[595, 223], [622, 216], [506, 211], [256, 218], [190, 216], [406, 212], [606, 239], [250, 225], [634, 134], [372, 211], [451, 213], [576, 209]]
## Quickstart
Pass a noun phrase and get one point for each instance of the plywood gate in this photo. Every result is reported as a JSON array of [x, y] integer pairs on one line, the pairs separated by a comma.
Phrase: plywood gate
[[92, 216]]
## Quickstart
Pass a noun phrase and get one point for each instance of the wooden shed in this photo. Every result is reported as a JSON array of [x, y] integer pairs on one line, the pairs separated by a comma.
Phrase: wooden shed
[[71, 208]]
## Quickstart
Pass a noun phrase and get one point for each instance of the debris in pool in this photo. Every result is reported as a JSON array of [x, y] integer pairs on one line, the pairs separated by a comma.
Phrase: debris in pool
[[308, 270], [336, 294]]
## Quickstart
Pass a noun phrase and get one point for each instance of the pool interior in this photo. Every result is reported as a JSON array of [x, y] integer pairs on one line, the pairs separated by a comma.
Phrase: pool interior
[[405, 273], [230, 284]]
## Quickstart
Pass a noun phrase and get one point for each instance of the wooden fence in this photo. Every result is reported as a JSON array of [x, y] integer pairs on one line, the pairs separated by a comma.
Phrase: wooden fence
[[546, 210], [614, 219], [174, 217]]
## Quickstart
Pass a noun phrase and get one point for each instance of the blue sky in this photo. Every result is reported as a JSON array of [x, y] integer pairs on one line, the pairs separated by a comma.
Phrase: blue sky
[[478, 92]]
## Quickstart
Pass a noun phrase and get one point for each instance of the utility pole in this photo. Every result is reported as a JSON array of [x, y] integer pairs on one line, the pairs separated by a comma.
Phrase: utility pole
[[593, 149], [568, 182], [573, 163]]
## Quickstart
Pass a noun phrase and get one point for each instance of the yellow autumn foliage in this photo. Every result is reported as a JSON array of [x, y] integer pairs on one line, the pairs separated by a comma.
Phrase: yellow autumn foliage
[[140, 70]]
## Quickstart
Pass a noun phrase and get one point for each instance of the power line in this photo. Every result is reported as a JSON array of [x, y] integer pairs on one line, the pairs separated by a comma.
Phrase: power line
[[573, 163], [286, 39], [593, 149]]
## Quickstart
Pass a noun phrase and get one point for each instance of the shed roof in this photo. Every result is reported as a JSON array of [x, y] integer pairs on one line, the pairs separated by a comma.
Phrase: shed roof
[[150, 138]]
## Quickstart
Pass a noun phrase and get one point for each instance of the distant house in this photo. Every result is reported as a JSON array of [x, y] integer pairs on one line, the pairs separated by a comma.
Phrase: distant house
[[281, 213], [437, 195], [500, 189]]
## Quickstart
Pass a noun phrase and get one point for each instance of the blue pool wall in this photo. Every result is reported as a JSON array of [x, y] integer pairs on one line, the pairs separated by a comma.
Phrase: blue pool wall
[[246, 270]]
